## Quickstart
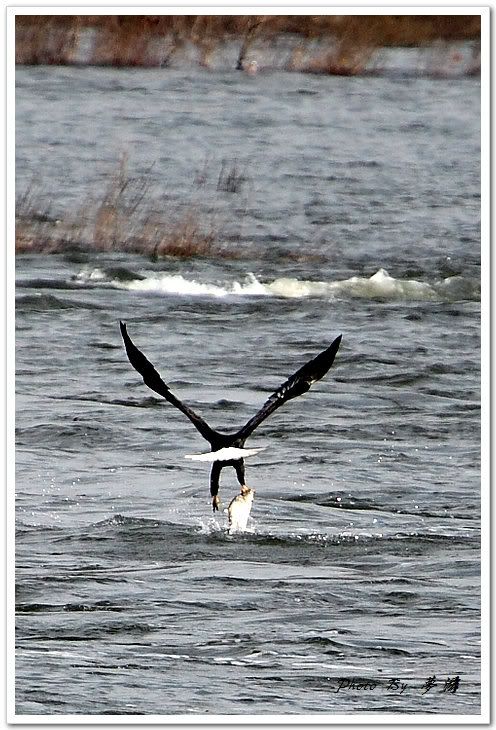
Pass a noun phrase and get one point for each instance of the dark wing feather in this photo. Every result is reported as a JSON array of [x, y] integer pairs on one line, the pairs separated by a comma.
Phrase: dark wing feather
[[153, 380], [294, 386]]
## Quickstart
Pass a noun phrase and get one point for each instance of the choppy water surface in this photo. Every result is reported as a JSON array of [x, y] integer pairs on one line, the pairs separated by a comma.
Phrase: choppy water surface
[[362, 557]]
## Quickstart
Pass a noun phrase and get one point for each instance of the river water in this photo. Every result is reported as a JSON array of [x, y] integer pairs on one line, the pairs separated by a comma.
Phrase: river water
[[361, 562]]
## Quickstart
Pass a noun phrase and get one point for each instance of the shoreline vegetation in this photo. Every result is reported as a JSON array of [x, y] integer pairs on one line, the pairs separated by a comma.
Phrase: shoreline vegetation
[[345, 45], [207, 223]]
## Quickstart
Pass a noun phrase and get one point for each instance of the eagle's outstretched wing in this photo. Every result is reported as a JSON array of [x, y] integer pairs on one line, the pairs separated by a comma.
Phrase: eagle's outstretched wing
[[153, 380], [294, 386]]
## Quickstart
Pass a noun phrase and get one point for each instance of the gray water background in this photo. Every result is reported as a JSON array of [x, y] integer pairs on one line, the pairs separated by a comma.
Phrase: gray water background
[[362, 558]]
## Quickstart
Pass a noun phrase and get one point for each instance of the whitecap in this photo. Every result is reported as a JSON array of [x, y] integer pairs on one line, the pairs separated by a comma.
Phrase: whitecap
[[379, 286]]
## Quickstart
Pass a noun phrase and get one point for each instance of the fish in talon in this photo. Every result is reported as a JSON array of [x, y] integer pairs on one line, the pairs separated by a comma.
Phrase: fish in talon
[[239, 509]]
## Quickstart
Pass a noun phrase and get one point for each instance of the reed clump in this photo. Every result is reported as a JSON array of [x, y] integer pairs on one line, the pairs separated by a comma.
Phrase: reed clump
[[232, 177], [122, 218]]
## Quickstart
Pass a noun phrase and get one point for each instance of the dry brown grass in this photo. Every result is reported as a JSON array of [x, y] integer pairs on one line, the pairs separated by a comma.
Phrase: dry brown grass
[[383, 31], [355, 40], [45, 40], [346, 41], [187, 239], [120, 219]]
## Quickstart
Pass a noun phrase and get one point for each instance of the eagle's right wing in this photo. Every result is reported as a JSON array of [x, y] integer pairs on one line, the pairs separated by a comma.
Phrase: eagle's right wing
[[294, 386]]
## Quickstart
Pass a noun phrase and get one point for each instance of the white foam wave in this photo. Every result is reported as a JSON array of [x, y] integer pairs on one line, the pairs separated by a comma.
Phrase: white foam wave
[[177, 284], [379, 286], [383, 286]]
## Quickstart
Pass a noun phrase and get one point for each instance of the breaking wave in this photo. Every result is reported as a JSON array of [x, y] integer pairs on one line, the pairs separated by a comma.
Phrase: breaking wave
[[380, 286]]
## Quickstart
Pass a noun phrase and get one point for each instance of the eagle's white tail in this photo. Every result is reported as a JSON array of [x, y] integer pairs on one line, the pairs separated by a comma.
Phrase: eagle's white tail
[[226, 454]]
